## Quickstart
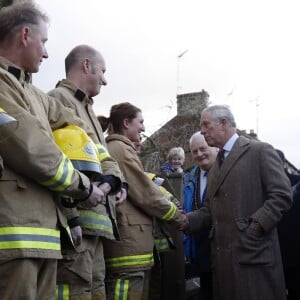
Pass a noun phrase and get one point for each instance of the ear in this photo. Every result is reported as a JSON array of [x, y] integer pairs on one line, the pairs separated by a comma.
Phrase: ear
[[224, 123], [86, 65], [24, 34], [126, 123]]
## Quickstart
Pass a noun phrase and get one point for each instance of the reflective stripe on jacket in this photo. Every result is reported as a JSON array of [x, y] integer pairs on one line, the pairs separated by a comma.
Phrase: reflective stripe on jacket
[[62, 178], [102, 152], [130, 260], [91, 220], [29, 237]]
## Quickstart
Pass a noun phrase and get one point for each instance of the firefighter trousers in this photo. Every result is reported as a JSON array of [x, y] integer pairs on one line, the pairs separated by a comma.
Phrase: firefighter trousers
[[132, 285], [81, 273], [28, 279]]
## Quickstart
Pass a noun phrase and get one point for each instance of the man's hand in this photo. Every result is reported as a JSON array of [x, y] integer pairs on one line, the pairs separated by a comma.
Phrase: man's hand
[[76, 233], [185, 221], [121, 196], [96, 197], [256, 226]]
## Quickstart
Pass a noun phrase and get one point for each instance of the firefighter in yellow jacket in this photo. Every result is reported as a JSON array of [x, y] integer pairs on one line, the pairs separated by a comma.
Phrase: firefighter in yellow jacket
[[163, 244], [129, 261], [80, 268], [85, 69], [35, 168]]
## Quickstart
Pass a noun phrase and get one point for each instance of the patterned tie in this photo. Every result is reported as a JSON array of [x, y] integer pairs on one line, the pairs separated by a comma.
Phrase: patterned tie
[[220, 156], [205, 189]]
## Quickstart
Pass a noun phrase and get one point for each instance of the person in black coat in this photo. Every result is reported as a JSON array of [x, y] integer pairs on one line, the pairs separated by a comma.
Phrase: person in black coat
[[289, 239]]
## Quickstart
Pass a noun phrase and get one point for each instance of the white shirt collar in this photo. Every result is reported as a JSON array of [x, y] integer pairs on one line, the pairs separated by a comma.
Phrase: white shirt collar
[[229, 144]]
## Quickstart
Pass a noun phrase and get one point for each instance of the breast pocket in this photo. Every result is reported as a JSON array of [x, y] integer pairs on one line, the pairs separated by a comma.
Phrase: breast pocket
[[142, 222], [9, 177]]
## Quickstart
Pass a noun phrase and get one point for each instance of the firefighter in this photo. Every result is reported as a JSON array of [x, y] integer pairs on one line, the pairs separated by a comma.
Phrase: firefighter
[[35, 167], [85, 69], [163, 244], [75, 274], [129, 261]]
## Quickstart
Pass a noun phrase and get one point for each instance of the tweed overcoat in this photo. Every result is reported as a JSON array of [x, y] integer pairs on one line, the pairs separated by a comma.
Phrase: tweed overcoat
[[250, 184]]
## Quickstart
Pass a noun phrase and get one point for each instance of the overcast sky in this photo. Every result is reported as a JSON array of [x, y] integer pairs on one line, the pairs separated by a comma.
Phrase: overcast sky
[[243, 53]]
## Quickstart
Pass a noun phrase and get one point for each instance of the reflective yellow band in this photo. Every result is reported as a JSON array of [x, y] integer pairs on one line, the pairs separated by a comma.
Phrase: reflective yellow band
[[92, 220], [102, 152], [62, 292], [168, 195], [132, 260], [171, 213], [29, 237], [2, 110], [69, 234], [164, 191], [121, 289], [62, 179], [161, 244]]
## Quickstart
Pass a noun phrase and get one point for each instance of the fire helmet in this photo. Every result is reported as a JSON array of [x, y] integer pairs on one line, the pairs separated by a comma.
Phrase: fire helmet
[[157, 180], [6, 118], [78, 147]]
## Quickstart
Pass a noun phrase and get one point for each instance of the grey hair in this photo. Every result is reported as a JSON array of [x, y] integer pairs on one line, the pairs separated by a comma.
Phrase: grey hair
[[196, 135], [218, 112], [20, 14], [176, 151]]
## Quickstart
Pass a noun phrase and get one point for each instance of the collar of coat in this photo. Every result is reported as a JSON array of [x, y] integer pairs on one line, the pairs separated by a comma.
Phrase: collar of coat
[[78, 93], [121, 138], [219, 174], [14, 70]]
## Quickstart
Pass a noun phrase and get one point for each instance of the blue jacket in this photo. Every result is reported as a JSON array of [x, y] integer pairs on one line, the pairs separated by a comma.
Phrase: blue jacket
[[197, 245]]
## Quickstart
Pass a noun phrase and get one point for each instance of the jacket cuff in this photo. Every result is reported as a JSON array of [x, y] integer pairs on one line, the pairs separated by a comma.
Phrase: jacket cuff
[[114, 182], [125, 186], [73, 222]]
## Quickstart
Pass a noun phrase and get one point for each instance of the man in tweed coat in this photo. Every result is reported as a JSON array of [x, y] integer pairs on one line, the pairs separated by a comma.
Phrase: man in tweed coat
[[248, 192]]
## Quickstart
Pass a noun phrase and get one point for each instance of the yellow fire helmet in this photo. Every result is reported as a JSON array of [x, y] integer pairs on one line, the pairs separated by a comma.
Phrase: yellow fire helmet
[[157, 180], [78, 147], [8, 124], [5, 119]]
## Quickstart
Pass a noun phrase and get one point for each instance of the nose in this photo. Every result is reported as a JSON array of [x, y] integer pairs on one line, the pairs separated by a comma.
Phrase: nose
[[198, 153], [45, 54], [202, 130], [103, 80]]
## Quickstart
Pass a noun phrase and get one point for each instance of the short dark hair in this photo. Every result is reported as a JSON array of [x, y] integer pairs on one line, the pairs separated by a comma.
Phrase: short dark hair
[[14, 16]]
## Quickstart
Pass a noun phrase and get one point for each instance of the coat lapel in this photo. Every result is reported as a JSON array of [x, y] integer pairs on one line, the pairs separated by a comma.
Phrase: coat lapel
[[219, 174]]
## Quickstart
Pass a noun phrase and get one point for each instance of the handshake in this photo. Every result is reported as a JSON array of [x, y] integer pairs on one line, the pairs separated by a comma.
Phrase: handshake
[[184, 223]]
